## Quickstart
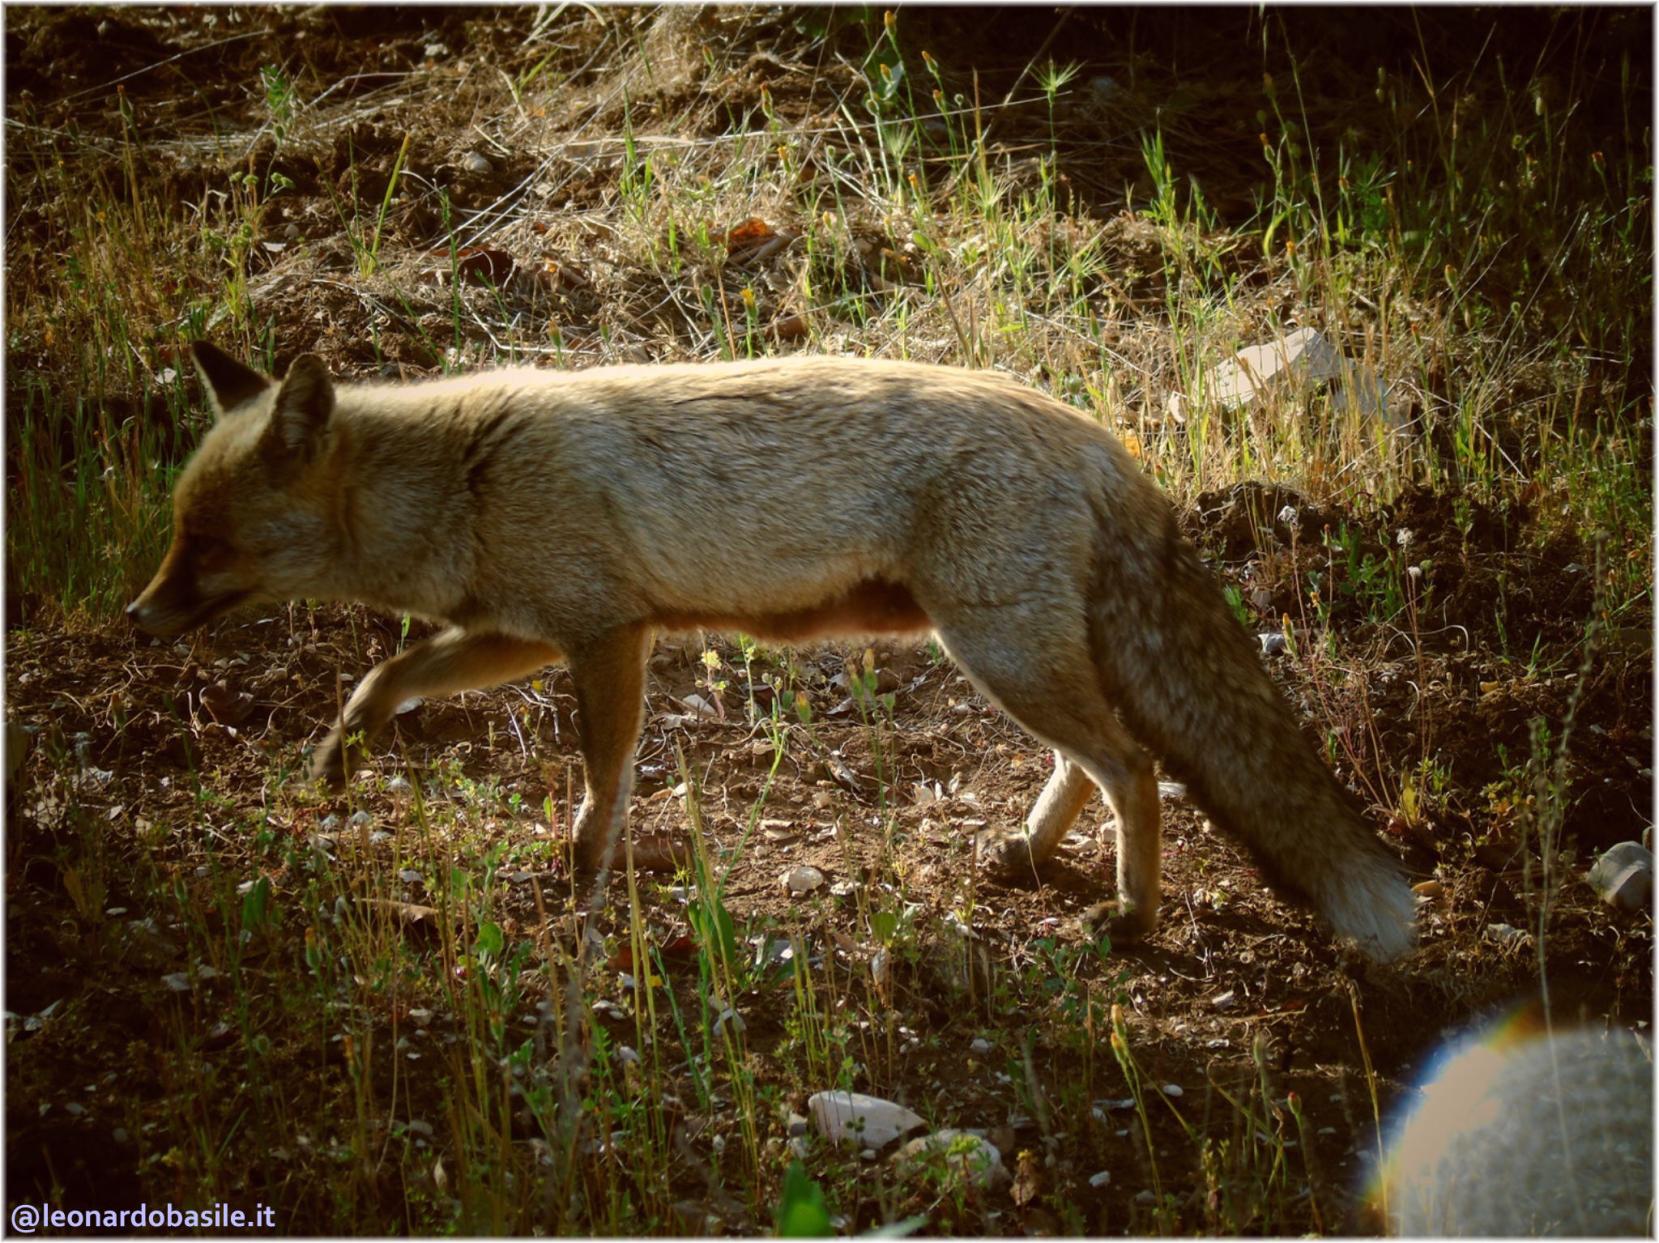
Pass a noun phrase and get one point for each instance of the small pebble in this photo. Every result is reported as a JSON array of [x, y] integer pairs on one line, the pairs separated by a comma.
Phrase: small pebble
[[803, 879]]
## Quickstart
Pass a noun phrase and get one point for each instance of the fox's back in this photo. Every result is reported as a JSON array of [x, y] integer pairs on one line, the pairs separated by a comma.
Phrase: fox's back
[[752, 476], [765, 429], [874, 398]]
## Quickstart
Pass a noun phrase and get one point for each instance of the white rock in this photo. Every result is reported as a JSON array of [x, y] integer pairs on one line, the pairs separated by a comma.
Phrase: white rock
[[700, 706], [1623, 877], [965, 1154], [867, 1120], [803, 879], [980, 1045], [473, 162], [1100, 1179], [1302, 356], [1504, 934]]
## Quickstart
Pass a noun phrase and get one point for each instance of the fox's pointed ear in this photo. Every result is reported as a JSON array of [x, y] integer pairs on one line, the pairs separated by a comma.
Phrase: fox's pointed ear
[[229, 383], [299, 417]]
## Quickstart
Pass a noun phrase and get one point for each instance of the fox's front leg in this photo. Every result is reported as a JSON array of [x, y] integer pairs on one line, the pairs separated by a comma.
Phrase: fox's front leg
[[609, 674], [442, 665]]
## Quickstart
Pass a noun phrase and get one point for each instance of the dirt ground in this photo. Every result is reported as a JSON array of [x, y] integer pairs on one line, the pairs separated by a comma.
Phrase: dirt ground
[[125, 738]]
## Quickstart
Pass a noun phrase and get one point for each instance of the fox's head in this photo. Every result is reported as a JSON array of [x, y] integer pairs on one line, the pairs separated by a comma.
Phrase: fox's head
[[252, 511]]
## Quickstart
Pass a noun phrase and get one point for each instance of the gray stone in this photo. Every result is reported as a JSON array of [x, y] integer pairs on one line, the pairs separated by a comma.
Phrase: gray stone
[[968, 1156], [1303, 356], [1623, 877]]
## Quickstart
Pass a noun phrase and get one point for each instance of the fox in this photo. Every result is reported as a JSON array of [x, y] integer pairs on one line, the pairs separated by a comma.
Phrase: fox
[[543, 515]]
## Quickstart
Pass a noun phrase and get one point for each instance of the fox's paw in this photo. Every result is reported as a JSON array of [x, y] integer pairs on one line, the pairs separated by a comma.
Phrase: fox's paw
[[588, 847], [1006, 856], [1124, 927]]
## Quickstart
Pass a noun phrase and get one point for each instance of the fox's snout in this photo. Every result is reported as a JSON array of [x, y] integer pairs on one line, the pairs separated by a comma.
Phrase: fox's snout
[[188, 589], [153, 617], [169, 598], [170, 616], [145, 618]]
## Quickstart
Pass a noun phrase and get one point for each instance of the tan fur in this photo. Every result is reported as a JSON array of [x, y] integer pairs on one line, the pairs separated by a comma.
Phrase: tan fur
[[548, 515]]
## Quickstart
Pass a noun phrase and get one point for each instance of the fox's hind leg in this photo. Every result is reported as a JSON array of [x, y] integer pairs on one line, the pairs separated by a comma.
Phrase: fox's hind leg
[[609, 674], [1042, 674], [442, 665]]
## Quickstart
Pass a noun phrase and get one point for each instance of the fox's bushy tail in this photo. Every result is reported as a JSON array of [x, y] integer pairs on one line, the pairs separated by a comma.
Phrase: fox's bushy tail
[[1190, 685]]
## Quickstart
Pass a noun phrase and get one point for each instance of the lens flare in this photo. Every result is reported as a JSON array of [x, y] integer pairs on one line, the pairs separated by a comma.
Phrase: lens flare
[[1521, 1133]]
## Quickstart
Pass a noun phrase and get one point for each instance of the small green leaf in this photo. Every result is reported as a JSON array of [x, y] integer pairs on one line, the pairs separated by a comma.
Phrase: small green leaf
[[256, 905], [801, 1210], [491, 941]]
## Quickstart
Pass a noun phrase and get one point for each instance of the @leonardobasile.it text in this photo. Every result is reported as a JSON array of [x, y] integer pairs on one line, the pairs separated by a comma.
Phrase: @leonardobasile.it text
[[28, 1218]]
